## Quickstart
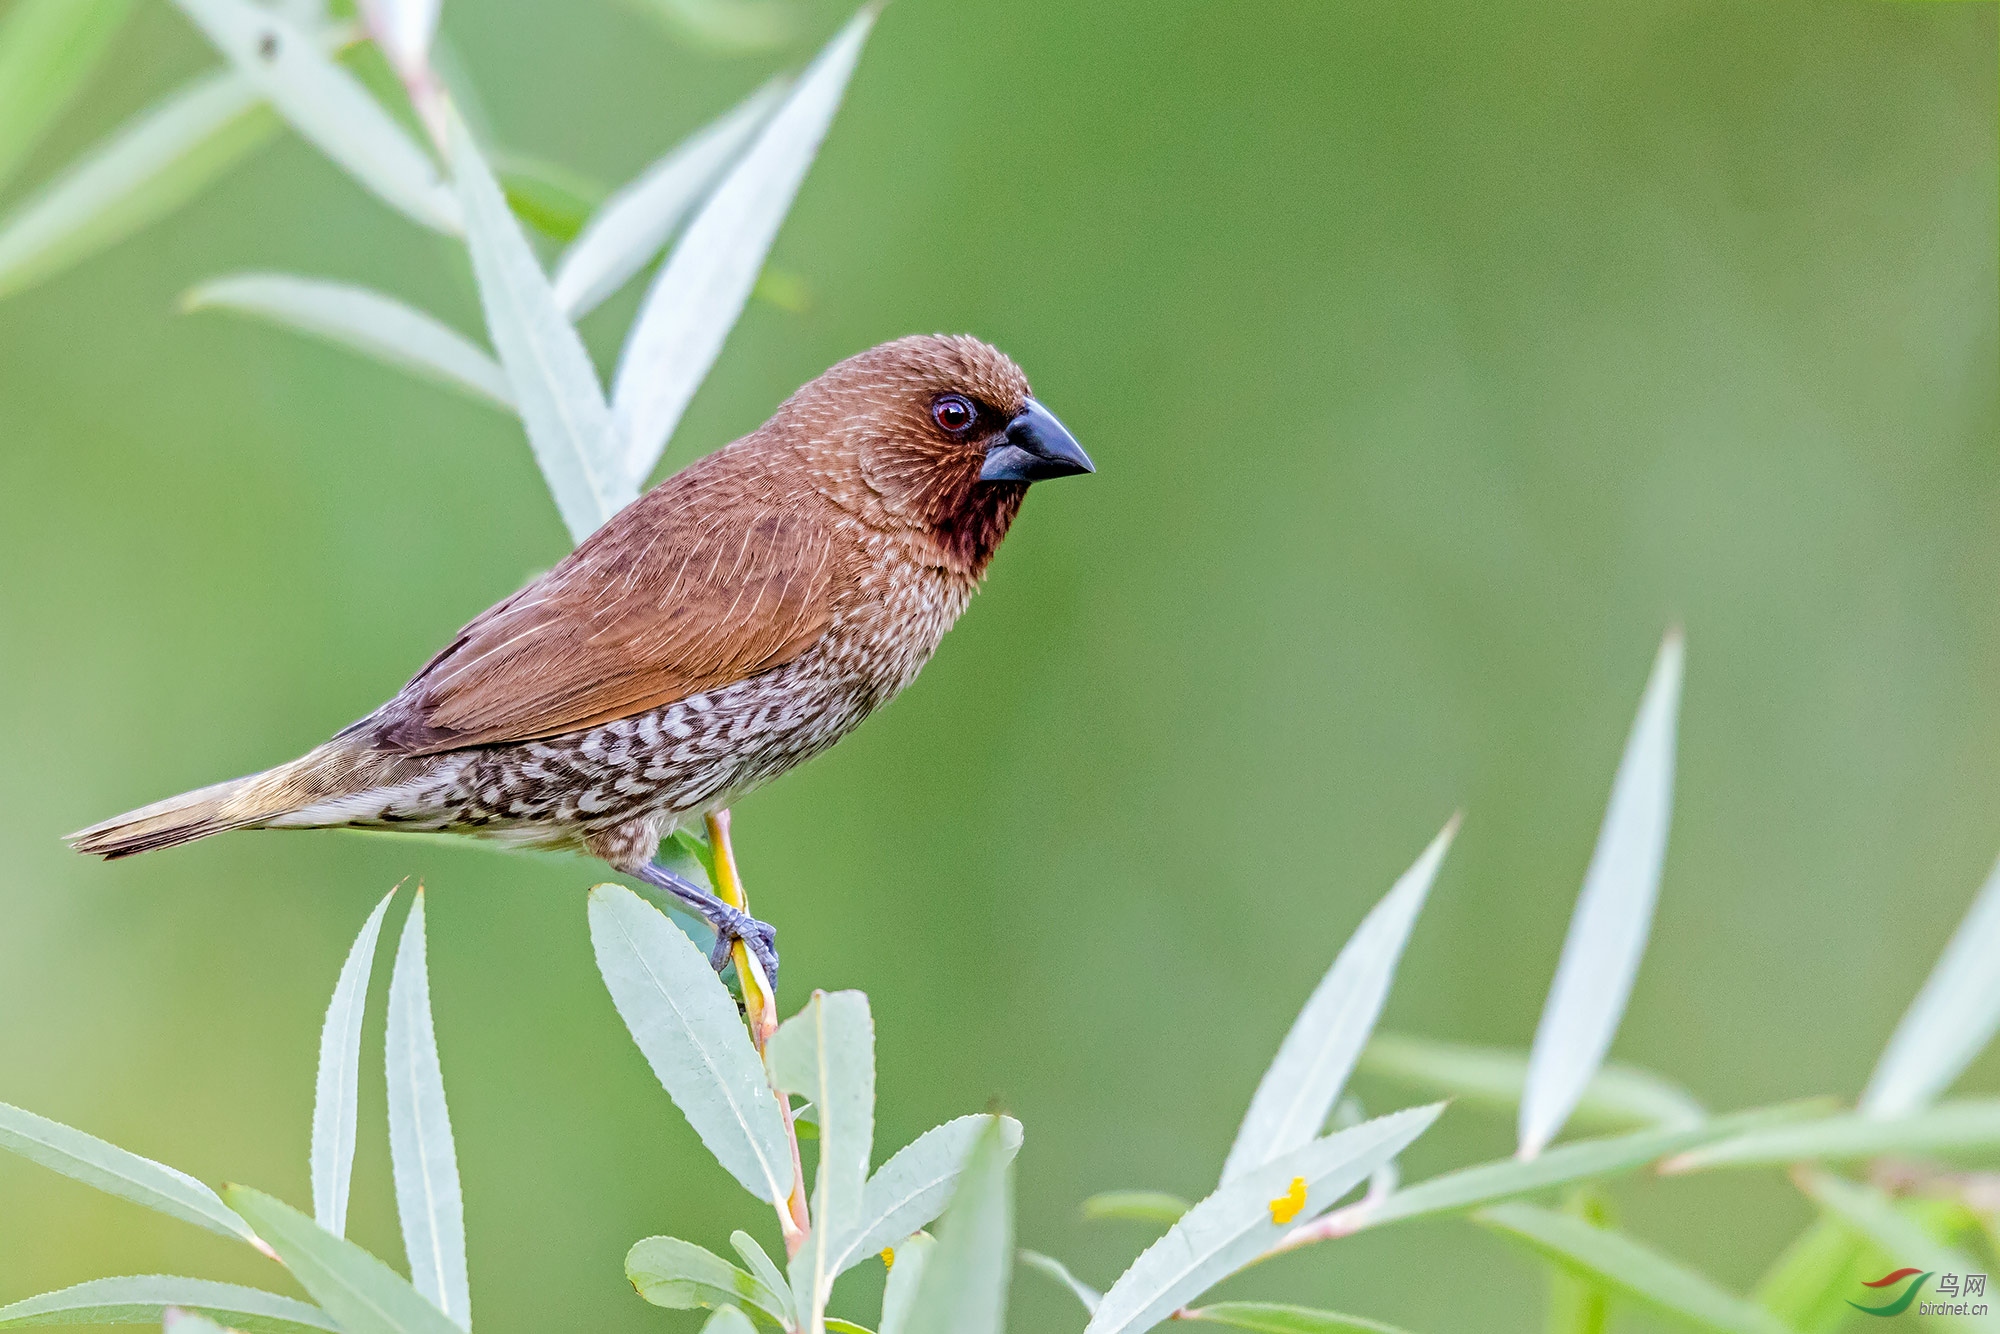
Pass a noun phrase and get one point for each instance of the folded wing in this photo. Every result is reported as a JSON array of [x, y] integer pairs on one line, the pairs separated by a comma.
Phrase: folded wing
[[685, 591]]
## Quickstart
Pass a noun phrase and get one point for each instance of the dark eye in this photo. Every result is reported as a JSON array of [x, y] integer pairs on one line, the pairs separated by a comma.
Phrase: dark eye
[[954, 414]]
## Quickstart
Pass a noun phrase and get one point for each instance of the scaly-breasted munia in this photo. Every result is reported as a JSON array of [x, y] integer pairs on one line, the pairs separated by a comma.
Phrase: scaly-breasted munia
[[734, 621]]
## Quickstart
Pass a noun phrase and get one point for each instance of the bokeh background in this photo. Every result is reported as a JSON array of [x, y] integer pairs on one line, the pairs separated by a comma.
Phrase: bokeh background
[[1436, 358]]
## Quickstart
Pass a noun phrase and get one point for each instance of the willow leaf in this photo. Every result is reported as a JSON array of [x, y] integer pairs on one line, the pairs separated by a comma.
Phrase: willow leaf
[[116, 1172], [143, 1299], [365, 321], [363, 1295], [1304, 1080], [700, 291], [335, 1093], [963, 1288], [422, 1154], [1619, 1097], [554, 384], [146, 169], [1087, 1296], [630, 227], [682, 1276], [1614, 915], [1632, 1269], [910, 1190], [1248, 1217], [47, 49], [827, 1053], [1962, 1125], [1951, 1019], [686, 1025], [1142, 1206], [1271, 1318], [328, 106]]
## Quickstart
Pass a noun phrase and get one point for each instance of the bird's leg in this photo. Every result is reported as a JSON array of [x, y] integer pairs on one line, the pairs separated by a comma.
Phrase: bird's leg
[[734, 929]]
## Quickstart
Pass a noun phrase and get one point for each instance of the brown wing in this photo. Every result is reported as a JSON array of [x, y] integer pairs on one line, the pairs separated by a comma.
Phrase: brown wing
[[681, 593]]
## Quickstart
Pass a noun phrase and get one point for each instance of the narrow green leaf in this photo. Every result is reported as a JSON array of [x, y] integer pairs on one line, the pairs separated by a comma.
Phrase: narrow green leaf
[[1634, 1270], [1270, 1318], [685, 1023], [1964, 1125], [111, 1169], [554, 385], [963, 1287], [1907, 1242], [728, 1320], [1143, 1206], [1579, 1305], [329, 107], [335, 1092], [912, 1188], [625, 234], [1621, 1097], [176, 1321], [784, 289], [143, 1299], [1951, 1020], [1614, 915], [363, 321], [1304, 1080], [826, 1052], [701, 289], [1807, 1287], [47, 49], [835, 1325], [554, 200], [363, 1295], [725, 27], [1086, 1295], [1246, 1218], [421, 1150], [149, 167], [899, 1294], [1585, 1160], [682, 1276], [766, 1270]]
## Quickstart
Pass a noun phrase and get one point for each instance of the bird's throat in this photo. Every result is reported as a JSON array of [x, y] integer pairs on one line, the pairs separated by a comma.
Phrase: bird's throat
[[969, 531]]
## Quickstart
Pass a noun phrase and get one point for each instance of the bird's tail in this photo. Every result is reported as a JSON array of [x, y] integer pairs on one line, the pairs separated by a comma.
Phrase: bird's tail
[[334, 770]]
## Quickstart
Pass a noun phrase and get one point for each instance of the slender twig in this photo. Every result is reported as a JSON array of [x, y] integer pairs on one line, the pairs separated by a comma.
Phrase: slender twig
[[760, 1007]]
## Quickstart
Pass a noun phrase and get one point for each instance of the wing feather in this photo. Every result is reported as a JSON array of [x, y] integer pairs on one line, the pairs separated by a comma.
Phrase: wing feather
[[698, 585]]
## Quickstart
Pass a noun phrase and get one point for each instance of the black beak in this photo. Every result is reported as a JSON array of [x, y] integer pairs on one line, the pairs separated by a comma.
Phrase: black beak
[[1035, 448]]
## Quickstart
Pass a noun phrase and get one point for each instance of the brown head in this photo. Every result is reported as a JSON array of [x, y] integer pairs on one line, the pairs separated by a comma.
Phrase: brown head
[[933, 433]]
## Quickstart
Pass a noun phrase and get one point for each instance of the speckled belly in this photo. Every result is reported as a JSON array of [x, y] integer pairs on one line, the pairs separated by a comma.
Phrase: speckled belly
[[664, 768]]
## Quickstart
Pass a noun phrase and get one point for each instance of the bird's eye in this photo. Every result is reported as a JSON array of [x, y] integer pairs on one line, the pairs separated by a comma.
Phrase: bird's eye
[[954, 413]]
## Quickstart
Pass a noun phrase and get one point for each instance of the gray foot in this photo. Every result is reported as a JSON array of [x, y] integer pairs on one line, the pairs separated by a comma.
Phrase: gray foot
[[731, 924]]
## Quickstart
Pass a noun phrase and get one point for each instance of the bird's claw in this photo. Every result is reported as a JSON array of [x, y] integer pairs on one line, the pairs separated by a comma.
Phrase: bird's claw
[[760, 938], [729, 922]]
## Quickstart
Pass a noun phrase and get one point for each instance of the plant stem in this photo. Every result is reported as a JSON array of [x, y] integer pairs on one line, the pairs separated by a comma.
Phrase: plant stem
[[760, 1006]]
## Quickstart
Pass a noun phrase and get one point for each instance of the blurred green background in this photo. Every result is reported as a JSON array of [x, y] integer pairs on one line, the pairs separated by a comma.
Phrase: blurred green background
[[1435, 359]]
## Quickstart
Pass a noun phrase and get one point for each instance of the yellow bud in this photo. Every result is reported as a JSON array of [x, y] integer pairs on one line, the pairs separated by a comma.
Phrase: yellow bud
[[1287, 1206]]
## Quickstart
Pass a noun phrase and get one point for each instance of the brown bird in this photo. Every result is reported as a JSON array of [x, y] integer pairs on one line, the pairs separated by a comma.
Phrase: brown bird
[[731, 623]]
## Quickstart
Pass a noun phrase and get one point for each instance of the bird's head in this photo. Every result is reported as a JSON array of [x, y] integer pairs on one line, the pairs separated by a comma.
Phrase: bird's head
[[937, 433]]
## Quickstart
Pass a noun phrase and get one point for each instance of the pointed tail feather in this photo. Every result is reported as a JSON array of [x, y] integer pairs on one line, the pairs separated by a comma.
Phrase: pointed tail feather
[[165, 824], [335, 769]]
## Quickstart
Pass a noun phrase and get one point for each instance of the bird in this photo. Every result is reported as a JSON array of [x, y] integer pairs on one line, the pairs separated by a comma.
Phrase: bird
[[731, 623]]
